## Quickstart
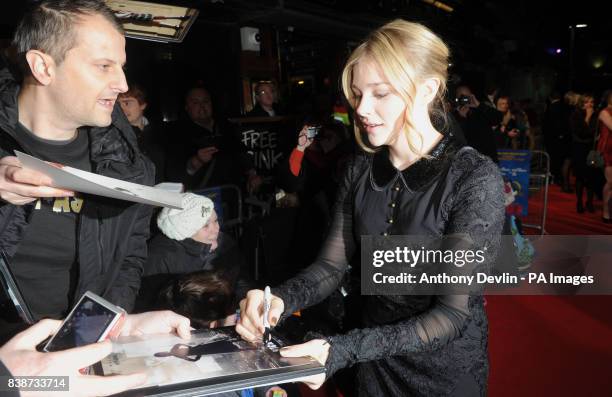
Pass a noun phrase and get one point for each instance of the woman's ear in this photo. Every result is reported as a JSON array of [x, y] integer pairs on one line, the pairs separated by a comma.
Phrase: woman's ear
[[42, 66], [427, 91]]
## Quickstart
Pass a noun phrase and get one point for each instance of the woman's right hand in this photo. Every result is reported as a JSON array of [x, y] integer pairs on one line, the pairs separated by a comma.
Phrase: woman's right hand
[[250, 326], [303, 140]]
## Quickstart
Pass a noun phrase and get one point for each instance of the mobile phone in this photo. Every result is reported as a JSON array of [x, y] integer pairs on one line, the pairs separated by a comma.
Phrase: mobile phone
[[93, 319]]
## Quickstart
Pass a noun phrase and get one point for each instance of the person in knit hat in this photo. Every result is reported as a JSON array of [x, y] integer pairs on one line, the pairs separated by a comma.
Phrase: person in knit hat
[[190, 241], [197, 220]]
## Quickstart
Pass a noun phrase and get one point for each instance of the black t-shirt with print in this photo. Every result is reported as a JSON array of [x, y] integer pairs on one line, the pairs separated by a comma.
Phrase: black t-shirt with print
[[45, 265]]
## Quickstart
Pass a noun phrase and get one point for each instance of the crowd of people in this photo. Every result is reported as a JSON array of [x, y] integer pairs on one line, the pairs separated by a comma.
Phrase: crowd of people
[[417, 163], [576, 131]]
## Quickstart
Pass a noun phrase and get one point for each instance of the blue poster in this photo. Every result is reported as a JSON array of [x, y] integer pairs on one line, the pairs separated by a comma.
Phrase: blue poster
[[515, 167]]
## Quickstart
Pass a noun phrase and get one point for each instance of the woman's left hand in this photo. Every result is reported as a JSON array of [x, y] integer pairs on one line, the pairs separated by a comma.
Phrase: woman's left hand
[[317, 349]]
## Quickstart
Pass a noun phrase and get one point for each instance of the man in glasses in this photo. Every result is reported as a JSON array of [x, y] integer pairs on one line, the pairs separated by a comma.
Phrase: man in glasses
[[265, 94]]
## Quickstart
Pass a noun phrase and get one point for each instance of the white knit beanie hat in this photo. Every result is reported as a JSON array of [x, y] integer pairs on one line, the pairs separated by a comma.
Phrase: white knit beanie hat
[[182, 224]]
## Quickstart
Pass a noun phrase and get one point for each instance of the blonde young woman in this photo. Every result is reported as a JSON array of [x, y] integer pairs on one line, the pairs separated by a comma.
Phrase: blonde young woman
[[514, 127], [411, 179]]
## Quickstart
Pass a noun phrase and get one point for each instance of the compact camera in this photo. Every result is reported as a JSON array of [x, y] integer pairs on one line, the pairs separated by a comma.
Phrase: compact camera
[[312, 132]]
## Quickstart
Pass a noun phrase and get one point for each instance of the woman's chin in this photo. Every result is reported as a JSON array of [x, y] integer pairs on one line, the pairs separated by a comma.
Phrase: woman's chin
[[377, 137], [375, 143]]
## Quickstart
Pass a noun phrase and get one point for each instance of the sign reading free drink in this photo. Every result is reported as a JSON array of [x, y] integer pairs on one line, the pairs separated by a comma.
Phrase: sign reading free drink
[[267, 140]]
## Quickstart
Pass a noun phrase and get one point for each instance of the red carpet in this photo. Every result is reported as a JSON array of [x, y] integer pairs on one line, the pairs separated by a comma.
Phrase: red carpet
[[548, 345], [553, 345]]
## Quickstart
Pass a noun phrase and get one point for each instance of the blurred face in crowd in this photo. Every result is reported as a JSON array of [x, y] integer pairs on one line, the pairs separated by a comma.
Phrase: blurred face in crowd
[[87, 82], [328, 140], [209, 233], [379, 108], [463, 91], [199, 106], [503, 104], [132, 108], [589, 103], [265, 95]]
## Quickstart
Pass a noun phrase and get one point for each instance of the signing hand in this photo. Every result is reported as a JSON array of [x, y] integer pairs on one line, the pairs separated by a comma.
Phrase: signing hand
[[250, 326], [20, 186]]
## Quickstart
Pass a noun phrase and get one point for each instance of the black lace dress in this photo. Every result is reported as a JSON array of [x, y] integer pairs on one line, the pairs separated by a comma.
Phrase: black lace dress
[[410, 345]]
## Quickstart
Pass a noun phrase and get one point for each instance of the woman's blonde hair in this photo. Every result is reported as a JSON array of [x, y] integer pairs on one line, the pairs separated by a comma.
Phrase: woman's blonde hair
[[571, 98], [408, 53]]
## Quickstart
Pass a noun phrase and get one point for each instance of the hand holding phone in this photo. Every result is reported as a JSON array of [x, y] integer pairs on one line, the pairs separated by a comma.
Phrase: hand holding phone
[[21, 358], [93, 319]]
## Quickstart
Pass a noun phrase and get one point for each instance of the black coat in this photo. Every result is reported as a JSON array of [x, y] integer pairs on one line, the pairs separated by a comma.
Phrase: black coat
[[148, 144], [258, 111], [112, 238], [229, 164], [478, 129]]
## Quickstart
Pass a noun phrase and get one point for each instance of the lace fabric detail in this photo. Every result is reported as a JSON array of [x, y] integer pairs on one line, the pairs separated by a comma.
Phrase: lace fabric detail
[[427, 352]]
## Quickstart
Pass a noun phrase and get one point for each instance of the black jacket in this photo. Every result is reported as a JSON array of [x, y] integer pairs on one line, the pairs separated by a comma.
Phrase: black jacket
[[555, 125], [112, 234], [152, 149], [478, 129], [258, 111], [229, 164], [168, 257]]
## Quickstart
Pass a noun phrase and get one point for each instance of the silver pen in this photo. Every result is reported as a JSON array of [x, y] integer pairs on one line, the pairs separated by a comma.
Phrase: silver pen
[[266, 313]]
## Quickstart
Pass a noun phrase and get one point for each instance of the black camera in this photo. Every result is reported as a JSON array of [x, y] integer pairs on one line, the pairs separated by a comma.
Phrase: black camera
[[462, 101], [312, 132]]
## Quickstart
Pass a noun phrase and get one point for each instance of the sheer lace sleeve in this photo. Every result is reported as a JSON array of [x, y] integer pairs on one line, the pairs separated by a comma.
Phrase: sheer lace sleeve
[[477, 214], [320, 279]]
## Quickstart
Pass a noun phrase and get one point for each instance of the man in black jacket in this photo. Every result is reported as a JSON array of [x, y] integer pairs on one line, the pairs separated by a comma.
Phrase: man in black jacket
[[477, 121], [133, 103], [558, 139], [265, 94], [63, 243], [203, 152]]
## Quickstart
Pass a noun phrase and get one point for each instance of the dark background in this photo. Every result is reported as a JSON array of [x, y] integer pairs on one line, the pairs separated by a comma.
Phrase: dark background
[[510, 44]]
